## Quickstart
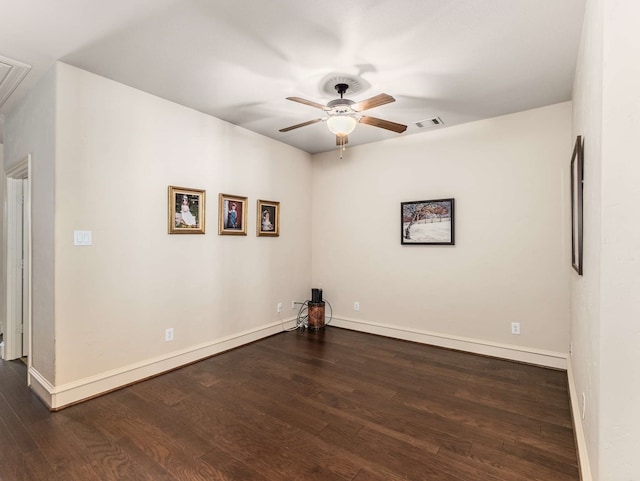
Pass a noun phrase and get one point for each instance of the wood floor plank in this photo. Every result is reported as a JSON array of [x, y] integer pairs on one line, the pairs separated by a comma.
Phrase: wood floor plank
[[327, 405], [24, 403], [109, 460], [65, 454], [15, 431], [166, 452], [490, 420], [386, 459], [279, 447]]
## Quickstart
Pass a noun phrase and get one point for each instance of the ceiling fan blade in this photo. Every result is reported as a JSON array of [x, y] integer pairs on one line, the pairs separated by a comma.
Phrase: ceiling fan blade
[[376, 101], [303, 124], [383, 124], [308, 102], [344, 140]]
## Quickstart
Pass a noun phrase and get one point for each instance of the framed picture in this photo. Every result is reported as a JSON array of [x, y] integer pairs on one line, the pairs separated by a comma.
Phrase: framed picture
[[232, 216], [186, 210], [577, 184], [427, 222], [268, 218]]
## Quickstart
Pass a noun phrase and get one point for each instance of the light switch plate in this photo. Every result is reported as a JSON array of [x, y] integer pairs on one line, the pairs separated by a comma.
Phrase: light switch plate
[[82, 238]]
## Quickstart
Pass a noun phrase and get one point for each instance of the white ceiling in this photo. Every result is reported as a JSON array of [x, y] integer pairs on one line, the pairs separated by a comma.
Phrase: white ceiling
[[460, 60]]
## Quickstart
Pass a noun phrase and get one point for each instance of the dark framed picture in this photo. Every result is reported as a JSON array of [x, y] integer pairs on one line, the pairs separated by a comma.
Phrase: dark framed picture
[[427, 222], [186, 210], [268, 218], [232, 215], [577, 184]]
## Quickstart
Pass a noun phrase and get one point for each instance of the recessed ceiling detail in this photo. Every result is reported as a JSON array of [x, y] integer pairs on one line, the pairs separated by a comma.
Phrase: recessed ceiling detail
[[355, 83], [11, 74]]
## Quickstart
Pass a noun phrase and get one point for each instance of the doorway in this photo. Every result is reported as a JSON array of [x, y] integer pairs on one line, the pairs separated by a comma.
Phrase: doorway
[[17, 338]]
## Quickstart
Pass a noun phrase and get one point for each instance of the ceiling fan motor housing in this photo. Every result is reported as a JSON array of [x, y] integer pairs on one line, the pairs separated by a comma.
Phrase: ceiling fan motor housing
[[340, 107]]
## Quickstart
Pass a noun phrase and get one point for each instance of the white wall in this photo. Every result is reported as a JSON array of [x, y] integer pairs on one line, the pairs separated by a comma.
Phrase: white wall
[[585, 290], [620, 271], [511, 261], [116, 152], [604, 327], [30, 129]]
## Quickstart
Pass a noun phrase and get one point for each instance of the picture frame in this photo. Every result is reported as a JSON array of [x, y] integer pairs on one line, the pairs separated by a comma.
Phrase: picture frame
[[577, 191], [232, 215], [186, 210], [427, 222], [268, 218]]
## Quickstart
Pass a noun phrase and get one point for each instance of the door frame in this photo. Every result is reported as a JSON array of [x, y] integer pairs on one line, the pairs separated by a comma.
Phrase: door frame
[[13, 341]]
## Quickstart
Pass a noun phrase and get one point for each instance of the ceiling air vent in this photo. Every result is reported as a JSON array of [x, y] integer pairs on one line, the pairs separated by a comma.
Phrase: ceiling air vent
[[429, 123], [11, 74]]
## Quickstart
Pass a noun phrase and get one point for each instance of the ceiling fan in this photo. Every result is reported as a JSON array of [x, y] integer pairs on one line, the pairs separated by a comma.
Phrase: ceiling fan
[[343, 114]]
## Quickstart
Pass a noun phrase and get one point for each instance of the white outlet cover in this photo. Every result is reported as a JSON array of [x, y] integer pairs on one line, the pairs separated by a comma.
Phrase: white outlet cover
[[168, 335], [82, 238]]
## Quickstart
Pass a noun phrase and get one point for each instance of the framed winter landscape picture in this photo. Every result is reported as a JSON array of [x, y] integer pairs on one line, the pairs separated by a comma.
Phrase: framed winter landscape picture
[[186, 210], [268, 218], [232, 215], [427, 222]]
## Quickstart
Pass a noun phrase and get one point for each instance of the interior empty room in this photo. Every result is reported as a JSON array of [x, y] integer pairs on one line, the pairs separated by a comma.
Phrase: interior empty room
[[181, 178]]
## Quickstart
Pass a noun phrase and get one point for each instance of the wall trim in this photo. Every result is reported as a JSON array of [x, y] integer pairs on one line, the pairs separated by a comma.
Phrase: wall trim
[[59, 397], [581, 441], [40, 386], [556, 360]]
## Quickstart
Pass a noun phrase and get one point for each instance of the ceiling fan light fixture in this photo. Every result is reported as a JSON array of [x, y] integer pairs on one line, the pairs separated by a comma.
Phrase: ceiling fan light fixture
[[341, 125]]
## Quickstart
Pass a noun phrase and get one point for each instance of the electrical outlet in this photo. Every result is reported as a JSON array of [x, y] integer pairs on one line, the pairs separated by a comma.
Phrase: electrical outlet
[[356, 306], [571, 349], [279, 307], [584, 405], [515, 328], [168, 334]]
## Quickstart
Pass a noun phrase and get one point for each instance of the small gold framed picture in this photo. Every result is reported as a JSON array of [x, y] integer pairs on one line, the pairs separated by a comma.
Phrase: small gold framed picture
[[186, 210], [232, 215], [268, 218]]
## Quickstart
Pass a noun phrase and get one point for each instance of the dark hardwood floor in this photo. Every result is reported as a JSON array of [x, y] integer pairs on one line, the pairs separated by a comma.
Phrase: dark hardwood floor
[[304, 405]]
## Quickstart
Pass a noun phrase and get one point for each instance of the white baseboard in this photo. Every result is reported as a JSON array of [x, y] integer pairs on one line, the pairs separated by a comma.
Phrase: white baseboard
[[539, 357], [58, 397], [41, 386], [581, 442]]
